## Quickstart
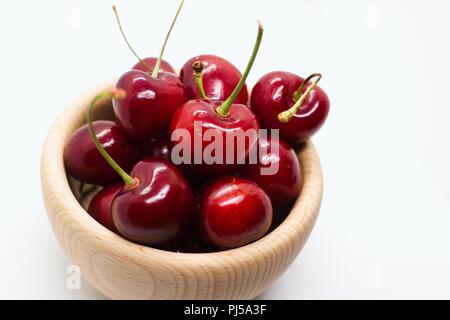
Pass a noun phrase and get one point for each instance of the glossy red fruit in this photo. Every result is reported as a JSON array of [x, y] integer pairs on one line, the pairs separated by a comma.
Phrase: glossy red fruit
[[149, 104], [277, 172], [233, 212], [203, 112], [100, 206], [158, 147], [147, 65], [274, 93], [210, 130], [220, 77], [159, 209], [85, 163]]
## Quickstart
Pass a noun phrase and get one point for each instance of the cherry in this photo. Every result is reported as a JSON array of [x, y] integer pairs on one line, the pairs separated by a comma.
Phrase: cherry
[[224, 120], [150, 103], [85, 163], [283, 100], [151, 99], [233, 212], [100, 206], [155, 204], [282, 180], [204, 113], [159, 208], [147, 64], [220, 77]]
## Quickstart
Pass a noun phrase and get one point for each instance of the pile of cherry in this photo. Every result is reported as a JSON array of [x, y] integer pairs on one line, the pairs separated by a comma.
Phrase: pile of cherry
[[148, 199]]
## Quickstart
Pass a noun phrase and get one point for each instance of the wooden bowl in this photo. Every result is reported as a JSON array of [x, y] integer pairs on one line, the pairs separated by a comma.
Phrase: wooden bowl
[[121, 269]]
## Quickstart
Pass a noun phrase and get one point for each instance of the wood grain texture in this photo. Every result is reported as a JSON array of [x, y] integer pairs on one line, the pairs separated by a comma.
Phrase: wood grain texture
[[123, 270]]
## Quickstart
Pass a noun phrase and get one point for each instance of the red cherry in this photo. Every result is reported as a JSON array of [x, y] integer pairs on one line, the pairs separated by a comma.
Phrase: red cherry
[[85, 163], [274, 98], [233, 212], [155, 204], [148, 64], [202, 111], [151, 99], [150, 103], [283, 185], [221, 119], [159, 208], [239, 117], [100, 206], [220, 77]]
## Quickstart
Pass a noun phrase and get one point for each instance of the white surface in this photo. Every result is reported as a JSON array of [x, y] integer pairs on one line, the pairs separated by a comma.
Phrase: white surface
[[384, 228]]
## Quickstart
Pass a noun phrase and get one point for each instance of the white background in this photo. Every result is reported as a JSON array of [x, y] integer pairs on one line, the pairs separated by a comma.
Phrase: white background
[[384, 227]]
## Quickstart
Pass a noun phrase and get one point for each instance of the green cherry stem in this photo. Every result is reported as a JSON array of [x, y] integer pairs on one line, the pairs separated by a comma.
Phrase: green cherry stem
[[224, 108], [197, 68], [129, 181], [126, 40], [287, 115], [298, 93], [158, 62]]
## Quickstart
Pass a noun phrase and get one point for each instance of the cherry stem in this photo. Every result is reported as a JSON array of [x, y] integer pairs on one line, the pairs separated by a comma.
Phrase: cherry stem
[[224, 108], [129, 181], [197, 68], [126, 40], [287, 115], [158, 62], [298, 93]]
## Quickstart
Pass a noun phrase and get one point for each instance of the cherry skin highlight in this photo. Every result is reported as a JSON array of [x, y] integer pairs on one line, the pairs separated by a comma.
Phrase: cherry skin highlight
[[283, 185], [148, 64], [233, 212], [100, 206], [220, 77], [159, 208], [84, 162], [149, 104], [274, 93]]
